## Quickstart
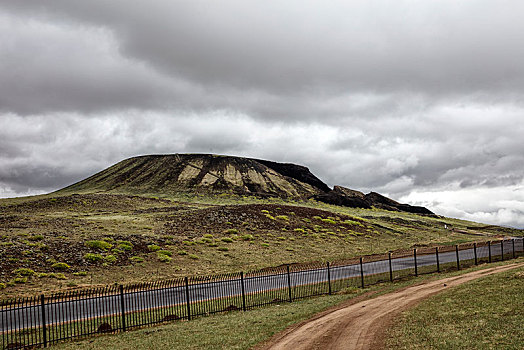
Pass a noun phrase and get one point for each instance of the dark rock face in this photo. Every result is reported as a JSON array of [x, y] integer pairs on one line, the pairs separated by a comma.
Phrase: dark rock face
[[298, 172], [215, 174], [355, 199], [381, 202], [344, 197]]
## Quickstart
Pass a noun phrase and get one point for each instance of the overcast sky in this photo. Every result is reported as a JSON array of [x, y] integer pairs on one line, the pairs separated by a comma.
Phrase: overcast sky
[[419, 100]]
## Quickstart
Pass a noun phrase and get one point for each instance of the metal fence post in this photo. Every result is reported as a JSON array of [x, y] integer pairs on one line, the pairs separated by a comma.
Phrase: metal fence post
[[361, 273], [390, 268], [415, 258], [243, 291], [489, 251], [289, 283], [458, 259], [513, 244], [122, 308], [329, 278], [475, 251], [44, 327], [438, 263], [187, 300], [502, 250]]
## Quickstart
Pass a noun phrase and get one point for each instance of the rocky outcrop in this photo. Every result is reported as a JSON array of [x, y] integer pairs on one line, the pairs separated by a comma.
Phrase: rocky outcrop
[[355, 199], [345, 197]]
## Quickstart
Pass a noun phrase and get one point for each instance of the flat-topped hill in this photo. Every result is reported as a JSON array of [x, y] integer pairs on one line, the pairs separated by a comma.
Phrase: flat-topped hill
[[216, 174], [204, 173]]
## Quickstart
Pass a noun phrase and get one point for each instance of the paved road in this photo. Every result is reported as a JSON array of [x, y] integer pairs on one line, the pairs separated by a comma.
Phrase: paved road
[[65, 311]]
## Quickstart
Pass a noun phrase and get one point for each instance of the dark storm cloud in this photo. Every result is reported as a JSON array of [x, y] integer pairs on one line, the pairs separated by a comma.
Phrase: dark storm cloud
[[269, 58], [419, 100]]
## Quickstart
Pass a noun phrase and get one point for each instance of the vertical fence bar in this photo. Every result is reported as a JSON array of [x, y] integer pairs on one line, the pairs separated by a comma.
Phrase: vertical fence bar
[[329, 278], [122, 308], [438, 262], [457, 253], [489, 251], [289, 283], [513, 244], [44, 328], [415, 259], [187, 299], [475, 252], [243, 291], [502, 250], [361, 273], [390, 267]]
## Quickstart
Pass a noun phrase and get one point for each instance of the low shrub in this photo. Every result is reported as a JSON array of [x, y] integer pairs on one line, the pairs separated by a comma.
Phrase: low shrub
[[282, 217], [60, 266], [80, 273], [208, 235], [164, 258], [329, 221], [193, 256], [136, 259], [93, 258], [100, 245], [20, 280], [125, 245], [231, 231], [110, 259], [223, 249], [58, 276], [2, 286], [153, 247], [227, 240], [182, 252], [23, 271], [165, 252], [247, 237], [35, 238]]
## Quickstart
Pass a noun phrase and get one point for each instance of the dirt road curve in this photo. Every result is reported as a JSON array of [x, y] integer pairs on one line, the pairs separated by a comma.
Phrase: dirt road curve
[[361, 325]]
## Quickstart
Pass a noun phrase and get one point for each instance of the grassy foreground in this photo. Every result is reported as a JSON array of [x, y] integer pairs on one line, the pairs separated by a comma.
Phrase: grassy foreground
[[238, 330], [484, 314]]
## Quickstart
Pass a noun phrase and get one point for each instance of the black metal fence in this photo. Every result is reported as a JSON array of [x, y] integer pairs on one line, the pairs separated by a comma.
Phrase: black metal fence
[[48, 319]]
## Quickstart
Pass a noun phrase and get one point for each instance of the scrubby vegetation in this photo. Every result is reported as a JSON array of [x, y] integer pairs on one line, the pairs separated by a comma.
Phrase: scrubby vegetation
[[127, 238]]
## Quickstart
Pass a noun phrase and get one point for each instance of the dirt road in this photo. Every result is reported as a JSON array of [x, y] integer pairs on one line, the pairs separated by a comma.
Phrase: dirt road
[[361, 325]]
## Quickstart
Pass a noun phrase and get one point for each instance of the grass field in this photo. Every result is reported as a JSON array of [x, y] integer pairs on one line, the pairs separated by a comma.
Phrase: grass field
[[62, 240], [483, 314], [243, 330]]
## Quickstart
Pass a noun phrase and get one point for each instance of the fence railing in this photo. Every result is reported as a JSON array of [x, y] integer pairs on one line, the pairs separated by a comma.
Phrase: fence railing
[[47, 319]]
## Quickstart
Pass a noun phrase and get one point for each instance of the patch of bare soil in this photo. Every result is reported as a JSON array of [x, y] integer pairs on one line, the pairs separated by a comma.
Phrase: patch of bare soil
[[362, 325]]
